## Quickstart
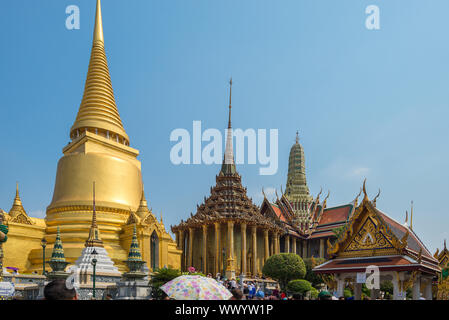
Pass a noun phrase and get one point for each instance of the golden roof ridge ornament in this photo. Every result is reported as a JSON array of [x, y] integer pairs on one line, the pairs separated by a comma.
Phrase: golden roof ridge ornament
[[375, 198], [411, 216], [325, 199], [356, 200], [318, 195], [98, 109], [365, 198]]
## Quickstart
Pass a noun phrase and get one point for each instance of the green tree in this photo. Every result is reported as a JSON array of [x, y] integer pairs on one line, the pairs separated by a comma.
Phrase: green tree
[[161, 277], [284, 267], [300, 286], [312, 277]]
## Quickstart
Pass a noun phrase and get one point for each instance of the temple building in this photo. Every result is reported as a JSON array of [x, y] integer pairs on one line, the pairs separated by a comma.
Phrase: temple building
[[99, 151], [227, 234], [372, 238], [307, 222]]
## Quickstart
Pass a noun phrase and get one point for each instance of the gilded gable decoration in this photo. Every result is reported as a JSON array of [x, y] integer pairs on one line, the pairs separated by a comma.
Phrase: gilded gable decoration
[[366, 234]]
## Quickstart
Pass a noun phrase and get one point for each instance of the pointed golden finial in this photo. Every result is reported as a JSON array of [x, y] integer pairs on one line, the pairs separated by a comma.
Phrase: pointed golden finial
[[297, 136], [406, 217], [98, 31], [162, 221], [325, 199], [411, 216], [356, 200], [318, 195], [17, 200], [263, 192], [364, 191], [375, 198]]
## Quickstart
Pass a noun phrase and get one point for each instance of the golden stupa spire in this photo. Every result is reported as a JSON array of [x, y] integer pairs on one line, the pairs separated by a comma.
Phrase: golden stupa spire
[[94, 239], [17, 206], [143, 210], [98, 30], [98, 112], [17, 200]]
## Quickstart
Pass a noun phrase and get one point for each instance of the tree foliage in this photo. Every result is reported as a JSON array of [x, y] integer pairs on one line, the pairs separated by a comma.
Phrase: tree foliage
[[284, 267], [312, 277], [161, 277], [300, 286]]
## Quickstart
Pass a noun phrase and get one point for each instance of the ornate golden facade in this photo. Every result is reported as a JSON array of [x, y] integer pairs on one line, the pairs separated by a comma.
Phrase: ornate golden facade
[[373, 239], [99, 151], [442, 286]]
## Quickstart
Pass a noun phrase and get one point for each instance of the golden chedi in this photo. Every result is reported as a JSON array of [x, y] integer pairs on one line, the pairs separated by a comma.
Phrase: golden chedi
[[99, 152]]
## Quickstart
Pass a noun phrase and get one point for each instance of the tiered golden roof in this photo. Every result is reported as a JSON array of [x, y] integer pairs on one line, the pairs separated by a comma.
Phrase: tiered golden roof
[[98, 110]]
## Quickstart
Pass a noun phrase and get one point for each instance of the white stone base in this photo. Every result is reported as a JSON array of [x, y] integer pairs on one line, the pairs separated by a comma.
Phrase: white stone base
[[104, 264]]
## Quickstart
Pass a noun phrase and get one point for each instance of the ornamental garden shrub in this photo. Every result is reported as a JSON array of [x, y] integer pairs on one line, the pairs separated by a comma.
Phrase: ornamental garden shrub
[[284, 267], [300, 286], [161, 277], [314, 293]]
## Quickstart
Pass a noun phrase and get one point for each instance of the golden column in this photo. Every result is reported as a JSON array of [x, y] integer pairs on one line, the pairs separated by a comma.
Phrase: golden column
[[275, 243], [217, 247], [294, 245], [278, 243], [181, 247], [243, 232], [230, 262], [267, 247], [204, 266], [287, 243], [254, 249], [190, 259]]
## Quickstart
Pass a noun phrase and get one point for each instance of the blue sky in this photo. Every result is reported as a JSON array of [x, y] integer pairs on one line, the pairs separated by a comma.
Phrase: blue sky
[[367, 103]]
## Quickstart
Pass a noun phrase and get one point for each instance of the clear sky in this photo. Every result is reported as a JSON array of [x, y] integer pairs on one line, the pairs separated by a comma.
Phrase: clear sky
[[367, 103]]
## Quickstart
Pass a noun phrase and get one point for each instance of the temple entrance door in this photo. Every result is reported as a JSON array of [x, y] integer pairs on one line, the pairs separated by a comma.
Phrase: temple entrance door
[[154, 251]]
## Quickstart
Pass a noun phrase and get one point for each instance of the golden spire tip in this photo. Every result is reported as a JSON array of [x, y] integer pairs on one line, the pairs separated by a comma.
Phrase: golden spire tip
[[98, 31]]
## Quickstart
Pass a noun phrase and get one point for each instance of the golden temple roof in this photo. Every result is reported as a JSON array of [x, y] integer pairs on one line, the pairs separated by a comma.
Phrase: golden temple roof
[[98, 109], [17, 212]]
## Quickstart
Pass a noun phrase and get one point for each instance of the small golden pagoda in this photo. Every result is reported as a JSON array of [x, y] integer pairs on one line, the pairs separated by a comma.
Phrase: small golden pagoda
[[228, 233], [99, 151]]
